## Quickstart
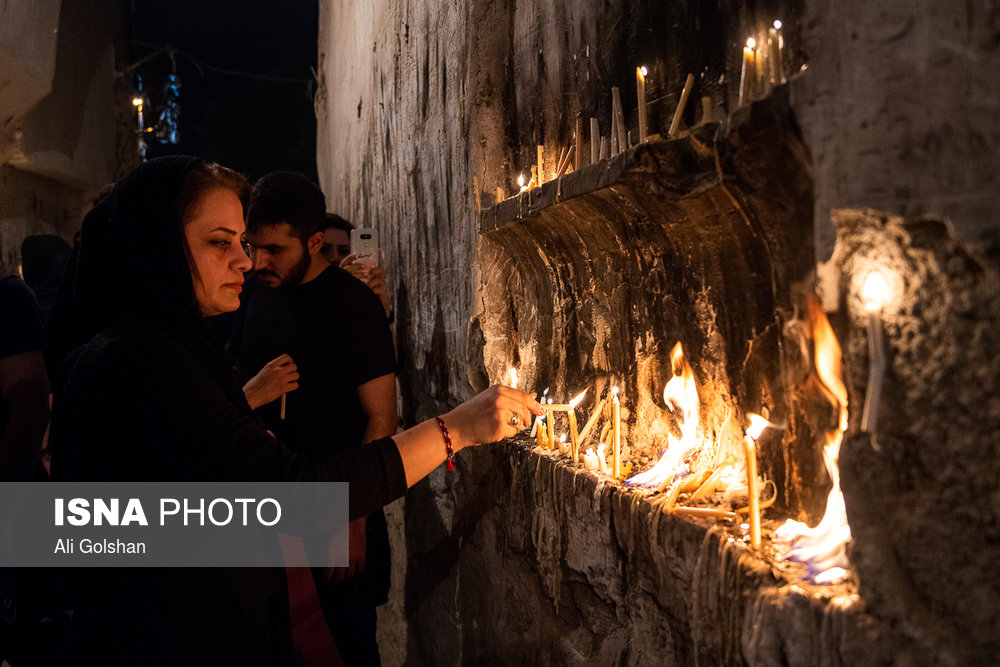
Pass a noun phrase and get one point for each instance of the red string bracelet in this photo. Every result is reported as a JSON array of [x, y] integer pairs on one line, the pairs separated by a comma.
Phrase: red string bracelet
[[447, 443]]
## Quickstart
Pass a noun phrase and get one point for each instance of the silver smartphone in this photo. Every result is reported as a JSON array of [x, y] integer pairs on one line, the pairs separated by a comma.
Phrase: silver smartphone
[[364, 244]]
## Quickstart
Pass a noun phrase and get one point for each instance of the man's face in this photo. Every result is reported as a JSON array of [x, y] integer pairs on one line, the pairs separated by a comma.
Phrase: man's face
[[336, 245], [279, 257]]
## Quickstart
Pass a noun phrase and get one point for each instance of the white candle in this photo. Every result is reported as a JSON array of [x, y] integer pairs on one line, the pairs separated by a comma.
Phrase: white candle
[[595, 141], [640, 86], [617, 442], [579, 142], [875, 293], [747, 71], [679, 113], [541, 174], [778, 52]]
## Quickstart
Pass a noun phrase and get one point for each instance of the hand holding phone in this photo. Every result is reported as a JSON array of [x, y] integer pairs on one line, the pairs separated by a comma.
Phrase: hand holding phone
[[364, 244]]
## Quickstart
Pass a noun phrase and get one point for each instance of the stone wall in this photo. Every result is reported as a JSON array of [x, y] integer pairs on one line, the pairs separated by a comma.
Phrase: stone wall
[[60, 139], [422, 101]]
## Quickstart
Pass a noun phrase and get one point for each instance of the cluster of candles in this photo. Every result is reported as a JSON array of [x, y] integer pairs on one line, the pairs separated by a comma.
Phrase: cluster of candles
[[544, 431], [762, 63]]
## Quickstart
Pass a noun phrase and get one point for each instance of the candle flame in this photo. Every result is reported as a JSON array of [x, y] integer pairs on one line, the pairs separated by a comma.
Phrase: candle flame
[[777, 24], [824, 548], [615, 391], [520, 181], [875, 292], [757, 425], [137, 101], [562, 439], [643, 71], [751, 43], [577, 400], [512, 376], [681, 397]]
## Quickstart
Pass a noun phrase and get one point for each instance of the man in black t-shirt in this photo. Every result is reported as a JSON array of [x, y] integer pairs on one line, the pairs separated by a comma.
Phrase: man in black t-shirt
[[336, 332]]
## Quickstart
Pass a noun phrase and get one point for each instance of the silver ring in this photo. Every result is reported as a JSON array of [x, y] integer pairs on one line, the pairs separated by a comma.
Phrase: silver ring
[[515, 420]]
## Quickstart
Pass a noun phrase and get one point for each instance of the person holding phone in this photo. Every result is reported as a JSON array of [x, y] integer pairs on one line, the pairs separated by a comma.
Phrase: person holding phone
[[357, 251]]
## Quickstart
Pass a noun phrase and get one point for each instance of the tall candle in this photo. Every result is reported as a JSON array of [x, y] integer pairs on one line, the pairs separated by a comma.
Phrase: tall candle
[[540, 431], [757, 426], [595, 141], [541, 174], [282, 415], [750, 454], [675, 124], [747, 71], [779, 52], [550, 418], [640, 86], [617, 442], [579, 142]]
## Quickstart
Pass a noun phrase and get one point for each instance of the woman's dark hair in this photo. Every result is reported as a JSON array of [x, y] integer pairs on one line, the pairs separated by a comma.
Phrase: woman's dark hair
[[206, 176]]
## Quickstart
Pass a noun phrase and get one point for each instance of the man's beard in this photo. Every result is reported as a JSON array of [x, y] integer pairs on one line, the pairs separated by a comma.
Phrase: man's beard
[[298, 271], [294, 275]]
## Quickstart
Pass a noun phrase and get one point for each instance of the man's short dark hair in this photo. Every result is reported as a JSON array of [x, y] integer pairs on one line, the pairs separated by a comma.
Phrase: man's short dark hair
[[337, 222], [287, 196]]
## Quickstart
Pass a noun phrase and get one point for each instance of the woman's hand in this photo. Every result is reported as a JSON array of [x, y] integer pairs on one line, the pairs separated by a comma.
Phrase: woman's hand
[[496, 413], [276, 379]]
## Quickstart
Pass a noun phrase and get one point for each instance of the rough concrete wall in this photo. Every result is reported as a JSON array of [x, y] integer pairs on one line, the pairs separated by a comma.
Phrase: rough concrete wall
[[900, 108], [62, 148], [28, 30]]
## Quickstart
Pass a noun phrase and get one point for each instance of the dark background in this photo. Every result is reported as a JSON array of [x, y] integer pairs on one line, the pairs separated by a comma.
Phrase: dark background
[[246, 94]]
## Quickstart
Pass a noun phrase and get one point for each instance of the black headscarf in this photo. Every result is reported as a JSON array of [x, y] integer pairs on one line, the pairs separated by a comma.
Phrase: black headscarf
[[43, 261], [131, 265]]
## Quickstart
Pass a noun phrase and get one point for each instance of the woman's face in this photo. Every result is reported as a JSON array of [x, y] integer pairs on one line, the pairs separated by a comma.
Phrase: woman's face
[[213, 232]]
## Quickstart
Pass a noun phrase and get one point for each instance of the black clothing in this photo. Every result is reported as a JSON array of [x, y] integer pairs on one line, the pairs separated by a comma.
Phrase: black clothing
[[43, 261], [336, 332], [21, 330], [142, 393]]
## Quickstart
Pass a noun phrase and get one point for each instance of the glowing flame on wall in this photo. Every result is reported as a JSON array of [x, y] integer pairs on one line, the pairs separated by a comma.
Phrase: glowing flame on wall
[[824, 548], [681, 396]]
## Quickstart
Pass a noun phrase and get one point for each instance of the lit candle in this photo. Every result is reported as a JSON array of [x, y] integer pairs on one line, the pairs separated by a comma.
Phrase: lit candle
[[640, 86], [539, 430], [757, 426], [562, 443], [617, 442], [747, 71], [521, 184], [541, 174], [679, 112], [778, 55], [595, 141], [875, 293], [512, 377]]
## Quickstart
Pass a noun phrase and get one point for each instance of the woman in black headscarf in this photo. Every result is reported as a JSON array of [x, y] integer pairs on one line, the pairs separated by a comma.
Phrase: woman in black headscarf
[[143, 393]]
